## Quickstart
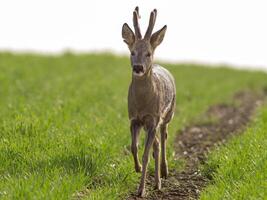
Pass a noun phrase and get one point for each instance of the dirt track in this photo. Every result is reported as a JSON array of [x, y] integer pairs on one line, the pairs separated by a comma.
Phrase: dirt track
[[195, 141]]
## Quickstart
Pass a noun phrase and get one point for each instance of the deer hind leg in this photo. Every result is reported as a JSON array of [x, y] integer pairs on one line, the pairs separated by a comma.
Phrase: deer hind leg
[[156, 154], [135, 130], [164, 165]]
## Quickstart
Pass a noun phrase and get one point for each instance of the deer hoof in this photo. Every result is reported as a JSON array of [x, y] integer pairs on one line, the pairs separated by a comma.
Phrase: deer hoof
[[158, 186], [164, 171], [138, 168], [141, 192]]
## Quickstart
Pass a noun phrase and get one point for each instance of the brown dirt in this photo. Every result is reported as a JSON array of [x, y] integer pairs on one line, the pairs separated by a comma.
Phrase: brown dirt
[[194, 142]]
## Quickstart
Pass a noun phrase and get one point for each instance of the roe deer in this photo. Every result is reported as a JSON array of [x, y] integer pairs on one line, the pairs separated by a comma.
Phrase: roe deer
[[151, 97]]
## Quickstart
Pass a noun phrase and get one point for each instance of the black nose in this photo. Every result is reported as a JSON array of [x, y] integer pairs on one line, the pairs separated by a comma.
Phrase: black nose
[[138, 68]]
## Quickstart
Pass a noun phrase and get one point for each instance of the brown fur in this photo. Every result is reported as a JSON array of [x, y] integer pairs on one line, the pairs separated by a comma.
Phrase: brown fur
[[151, 97]]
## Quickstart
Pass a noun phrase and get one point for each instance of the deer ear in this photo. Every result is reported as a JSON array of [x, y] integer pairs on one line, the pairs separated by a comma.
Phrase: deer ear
[[127, 35], [157, 37]]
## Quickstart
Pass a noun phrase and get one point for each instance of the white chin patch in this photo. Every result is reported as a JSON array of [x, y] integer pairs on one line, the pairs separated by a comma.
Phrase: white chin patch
[[138, 74]]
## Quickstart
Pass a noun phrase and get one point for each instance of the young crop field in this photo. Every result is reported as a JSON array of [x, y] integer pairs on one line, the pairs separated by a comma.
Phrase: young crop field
[[64, 129]]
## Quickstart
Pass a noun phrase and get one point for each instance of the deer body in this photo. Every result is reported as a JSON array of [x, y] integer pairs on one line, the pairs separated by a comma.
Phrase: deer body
[[151, 98], [153, 95]]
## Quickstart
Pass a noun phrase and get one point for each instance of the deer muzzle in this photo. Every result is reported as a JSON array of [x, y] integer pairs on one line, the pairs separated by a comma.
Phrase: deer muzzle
[[138, 70]]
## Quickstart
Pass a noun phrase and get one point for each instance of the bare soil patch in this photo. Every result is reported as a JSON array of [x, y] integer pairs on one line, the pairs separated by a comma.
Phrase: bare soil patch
[[194, 142]]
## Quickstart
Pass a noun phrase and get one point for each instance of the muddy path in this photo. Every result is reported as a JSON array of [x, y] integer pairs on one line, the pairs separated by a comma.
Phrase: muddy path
[[194, 142]]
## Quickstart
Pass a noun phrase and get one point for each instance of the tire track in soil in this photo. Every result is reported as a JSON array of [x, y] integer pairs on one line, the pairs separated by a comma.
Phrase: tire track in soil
[[194, 142]]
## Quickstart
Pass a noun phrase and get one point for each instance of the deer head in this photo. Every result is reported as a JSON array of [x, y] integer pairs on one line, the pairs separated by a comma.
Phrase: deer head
[[142, 49]]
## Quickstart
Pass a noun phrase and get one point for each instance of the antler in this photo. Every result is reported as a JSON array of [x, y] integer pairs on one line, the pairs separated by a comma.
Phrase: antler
[[152, 21], [136, 24]]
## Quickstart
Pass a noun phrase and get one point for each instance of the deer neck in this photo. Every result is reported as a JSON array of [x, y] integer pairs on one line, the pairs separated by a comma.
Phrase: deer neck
[[143, 86]]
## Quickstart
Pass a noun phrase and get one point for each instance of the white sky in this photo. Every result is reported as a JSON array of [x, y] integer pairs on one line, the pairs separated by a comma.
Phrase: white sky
[[228, 31]]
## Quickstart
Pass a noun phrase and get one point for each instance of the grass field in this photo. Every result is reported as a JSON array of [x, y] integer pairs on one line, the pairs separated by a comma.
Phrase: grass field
[[64, 125], [239, 169]]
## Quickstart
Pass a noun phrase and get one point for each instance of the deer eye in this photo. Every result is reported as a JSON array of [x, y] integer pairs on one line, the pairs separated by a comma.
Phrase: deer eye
[[148, 54], [132, 53]]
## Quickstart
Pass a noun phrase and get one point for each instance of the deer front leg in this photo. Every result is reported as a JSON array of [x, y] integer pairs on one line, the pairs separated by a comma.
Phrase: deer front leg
[[164, 165], [135, 130], [151, 133], [156, 149]]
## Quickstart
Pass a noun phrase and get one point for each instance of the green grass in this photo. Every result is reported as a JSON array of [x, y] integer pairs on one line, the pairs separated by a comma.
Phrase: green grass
[[240, 168], [64, 123]]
